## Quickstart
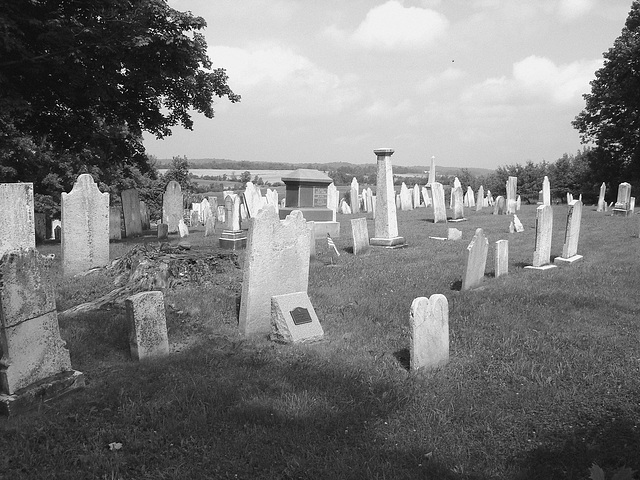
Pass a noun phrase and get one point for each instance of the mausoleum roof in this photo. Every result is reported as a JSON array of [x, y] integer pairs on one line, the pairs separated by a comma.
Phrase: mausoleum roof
[[307, 175]]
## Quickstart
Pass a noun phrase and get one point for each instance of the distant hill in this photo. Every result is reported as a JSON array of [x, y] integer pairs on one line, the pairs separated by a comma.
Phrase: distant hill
[[222, 163]]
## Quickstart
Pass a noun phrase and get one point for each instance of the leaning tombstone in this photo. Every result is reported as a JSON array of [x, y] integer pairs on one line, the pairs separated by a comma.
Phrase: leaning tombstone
[[476, 261], [386, 220], [147, 325], [517, 224], [429, 322], [294, 320], [16, 217], [85, 227], [131, 212], [172, 206], [426, 199], [572, 235], [360, 234], [35, 364], [518, 203], [480, 199], [276, 263], [115, 223], [544, 229], [501, 258]]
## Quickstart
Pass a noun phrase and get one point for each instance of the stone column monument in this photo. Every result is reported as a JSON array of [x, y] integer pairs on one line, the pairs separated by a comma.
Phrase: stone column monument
[[386, 221]]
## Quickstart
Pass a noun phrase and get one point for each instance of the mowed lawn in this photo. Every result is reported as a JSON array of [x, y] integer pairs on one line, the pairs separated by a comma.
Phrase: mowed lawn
[[543, 380]]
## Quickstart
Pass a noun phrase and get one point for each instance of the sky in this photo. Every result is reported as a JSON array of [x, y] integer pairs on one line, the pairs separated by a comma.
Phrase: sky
[[475, 83]]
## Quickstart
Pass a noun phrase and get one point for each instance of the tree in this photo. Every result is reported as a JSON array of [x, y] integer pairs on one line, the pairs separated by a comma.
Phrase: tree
[[611, 118], [179, 171], [81, 81]]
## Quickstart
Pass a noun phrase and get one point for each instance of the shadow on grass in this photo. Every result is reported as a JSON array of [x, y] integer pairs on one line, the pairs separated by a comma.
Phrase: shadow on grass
[[456, 286], [223, 409], [404, 358], [567, 452]]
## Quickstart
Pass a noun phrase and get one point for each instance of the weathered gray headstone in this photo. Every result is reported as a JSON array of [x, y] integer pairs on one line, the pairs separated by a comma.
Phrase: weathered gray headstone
[[572, 234], [432, 171], [16, 217], [355, 198], [360, 234], [601, 202], [501, 258], [480, 200], [31, 346], [85, 227], [546, 191], [512, 185], [40, 225], [457, 204], [333, 198], [499, 206], [144, 216], [406, 202], [172, 206], [454, 234], [294, 320], [544, 229], [476, 261], [276, 263], [416, 195], [163, 231], [131, 213], [439, 205], [115, 223], [429, 322], [470, 195], [147, 325], [210, 226], [386, 220], [183, 230]]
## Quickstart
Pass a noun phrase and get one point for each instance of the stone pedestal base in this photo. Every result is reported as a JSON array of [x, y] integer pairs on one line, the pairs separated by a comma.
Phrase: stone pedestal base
[[543, 267], [455, 220], [621, 212], [566, 261], [394, 242], [233, 239], [42, 391]]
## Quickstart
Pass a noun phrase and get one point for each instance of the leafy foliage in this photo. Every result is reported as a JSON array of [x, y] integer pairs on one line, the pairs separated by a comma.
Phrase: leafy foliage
[[611, 118], [81, 81]]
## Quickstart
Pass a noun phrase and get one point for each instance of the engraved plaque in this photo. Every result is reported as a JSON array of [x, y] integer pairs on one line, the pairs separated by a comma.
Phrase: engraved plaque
[[319, 196], [300, 316]]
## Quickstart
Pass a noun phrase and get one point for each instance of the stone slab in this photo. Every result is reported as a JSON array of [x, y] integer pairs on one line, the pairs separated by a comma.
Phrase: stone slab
[[429, 323], [17, 217], [565, 261], [147, 325], [360, 235], [131, 212], [543, 267], [294, 320], [395, 242]]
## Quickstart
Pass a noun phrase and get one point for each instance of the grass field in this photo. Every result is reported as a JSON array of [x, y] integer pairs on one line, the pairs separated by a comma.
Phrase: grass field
[[543, 381]]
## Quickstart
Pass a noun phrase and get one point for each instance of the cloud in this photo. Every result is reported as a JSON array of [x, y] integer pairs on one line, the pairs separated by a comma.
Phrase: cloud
[[571, 9], [385, 108], [536, 80], [444, 79], [284, 82], [393, 27]]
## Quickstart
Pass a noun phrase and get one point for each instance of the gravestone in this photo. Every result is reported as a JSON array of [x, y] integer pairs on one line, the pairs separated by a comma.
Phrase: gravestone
[[254, 199], [499, 206], [416, 195], [632, 204], [456, 184], [512, 184], [406, 202], [546, 191], [601, 202], [544, 229], [205, 211], [210, 226], [501, 258], [333, 198], [345, 209], [386, 220], [426, 199], [470, 195], [35, 363], [572, 234], [439, 206], [429, 323], [163, 231], [144, 216], [172, 206], [272, 199], [194, 218], [518, 203], [40, 226], [55, 223], [115, 223], [85, 227], [517, 224], [480, 200], [457, 204], [454, 234], [16, 217], [360, 234], [276, 263], [294, 320], [476, 261], [131, 213], [432, 171], [147, 325], [183, 230], [355, 199]]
